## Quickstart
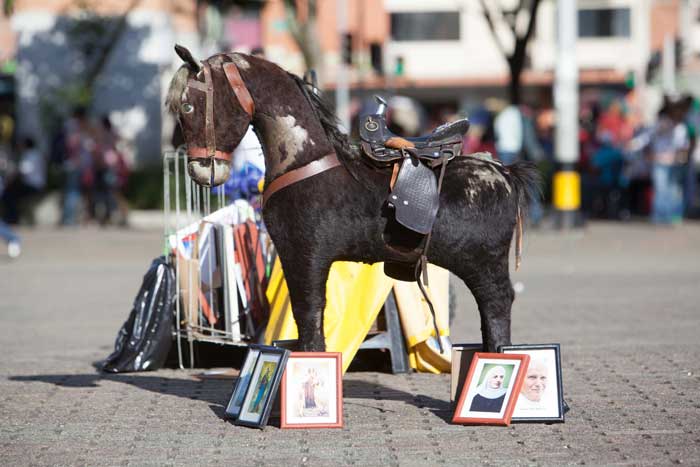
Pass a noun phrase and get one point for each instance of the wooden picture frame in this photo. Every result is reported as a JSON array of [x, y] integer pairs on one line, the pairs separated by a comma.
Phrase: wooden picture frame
[[541, 399], [490, 389], [233, 408], [264, 383], [462, 355], [311, 393]]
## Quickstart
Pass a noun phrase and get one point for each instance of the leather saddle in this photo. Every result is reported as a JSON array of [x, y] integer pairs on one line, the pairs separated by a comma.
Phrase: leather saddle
[[415, 187]]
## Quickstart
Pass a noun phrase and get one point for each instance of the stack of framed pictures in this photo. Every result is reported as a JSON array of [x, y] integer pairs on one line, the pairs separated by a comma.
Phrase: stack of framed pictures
[[311, 394], [256, 388], [521, 383]]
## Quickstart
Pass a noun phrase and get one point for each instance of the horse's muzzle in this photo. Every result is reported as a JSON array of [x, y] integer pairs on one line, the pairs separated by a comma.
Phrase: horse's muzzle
[[208, 171]]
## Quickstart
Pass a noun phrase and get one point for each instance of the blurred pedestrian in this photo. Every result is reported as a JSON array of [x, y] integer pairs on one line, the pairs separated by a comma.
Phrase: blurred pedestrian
[[78, 173], [508, 126], [667, 144], [111, 176], [6, 233], [28, 181]]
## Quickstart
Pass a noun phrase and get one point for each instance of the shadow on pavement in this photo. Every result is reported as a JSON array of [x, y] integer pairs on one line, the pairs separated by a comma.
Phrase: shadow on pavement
[[216, 392]]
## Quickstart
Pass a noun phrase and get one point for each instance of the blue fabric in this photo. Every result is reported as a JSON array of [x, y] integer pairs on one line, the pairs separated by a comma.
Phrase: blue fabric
[[242, 184], [667, 206], [7, 234]]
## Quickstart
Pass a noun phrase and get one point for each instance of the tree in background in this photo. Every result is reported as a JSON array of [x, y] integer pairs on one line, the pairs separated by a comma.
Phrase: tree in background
[[519, 21], [302, 20]]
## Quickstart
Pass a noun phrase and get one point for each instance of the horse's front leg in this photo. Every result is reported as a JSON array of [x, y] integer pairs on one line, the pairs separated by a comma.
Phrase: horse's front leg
[[306, 276], [490, 284]]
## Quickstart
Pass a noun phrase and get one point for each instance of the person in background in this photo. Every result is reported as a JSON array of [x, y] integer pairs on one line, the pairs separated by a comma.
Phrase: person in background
[[667, 144], [508, 126], [80, 146], [6, 233], [28, 181], [111, 176]]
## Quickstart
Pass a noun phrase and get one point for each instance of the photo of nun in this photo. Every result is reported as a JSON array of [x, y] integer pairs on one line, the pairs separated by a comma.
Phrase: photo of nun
[[491, 393]]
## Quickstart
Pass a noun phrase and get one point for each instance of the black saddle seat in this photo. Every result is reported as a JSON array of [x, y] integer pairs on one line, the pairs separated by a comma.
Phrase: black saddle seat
[[444, 134]]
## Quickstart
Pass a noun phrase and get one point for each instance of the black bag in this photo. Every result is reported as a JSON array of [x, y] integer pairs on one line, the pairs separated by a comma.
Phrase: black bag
[[145, 338]]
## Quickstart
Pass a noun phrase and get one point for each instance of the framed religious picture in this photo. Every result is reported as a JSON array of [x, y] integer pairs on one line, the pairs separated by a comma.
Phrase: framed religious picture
[[311, 395], [490, 389], [541, 398], [243, 382], [262, 389], [462, 355]]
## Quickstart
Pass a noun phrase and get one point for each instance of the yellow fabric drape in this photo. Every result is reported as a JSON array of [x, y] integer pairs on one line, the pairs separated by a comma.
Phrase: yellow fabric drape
[[417, 321], [355, 293]]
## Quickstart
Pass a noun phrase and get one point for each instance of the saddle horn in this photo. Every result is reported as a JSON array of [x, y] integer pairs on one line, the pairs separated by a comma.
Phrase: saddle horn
[[382, 105]]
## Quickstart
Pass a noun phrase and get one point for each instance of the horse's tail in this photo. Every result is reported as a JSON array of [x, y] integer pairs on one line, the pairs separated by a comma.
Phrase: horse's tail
[[526, 181]]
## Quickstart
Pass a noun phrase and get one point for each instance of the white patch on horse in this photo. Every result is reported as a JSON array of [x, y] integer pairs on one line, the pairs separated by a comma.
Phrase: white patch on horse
[[217, 61], [294, 136], [286, 140], [240, 61], [491, 177]]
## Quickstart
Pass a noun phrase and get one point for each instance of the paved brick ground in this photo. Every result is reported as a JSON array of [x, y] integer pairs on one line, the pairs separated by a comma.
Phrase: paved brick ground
[[623, 301]]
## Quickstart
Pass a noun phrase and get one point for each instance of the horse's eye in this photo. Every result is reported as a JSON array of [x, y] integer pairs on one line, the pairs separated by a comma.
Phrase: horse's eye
[[187, 108]]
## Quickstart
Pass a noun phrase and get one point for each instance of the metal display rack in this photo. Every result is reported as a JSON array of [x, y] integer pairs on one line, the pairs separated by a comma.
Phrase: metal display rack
[[186, 204]]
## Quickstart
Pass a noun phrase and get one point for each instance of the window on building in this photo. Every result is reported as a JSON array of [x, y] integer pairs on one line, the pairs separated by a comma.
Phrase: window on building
[[608, 22], [425, 26]]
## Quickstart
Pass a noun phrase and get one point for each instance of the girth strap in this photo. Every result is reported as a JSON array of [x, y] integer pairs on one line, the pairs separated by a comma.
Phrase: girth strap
[[327, 162]]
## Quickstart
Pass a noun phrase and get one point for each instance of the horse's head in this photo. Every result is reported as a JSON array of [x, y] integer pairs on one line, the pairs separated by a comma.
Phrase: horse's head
[[213, 108]]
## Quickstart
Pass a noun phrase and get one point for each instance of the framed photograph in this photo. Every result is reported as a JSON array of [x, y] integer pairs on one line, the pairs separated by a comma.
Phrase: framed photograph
[[243, 382], [541, 397], [312, 391], [462, 355], [262, 389], [490, 389]]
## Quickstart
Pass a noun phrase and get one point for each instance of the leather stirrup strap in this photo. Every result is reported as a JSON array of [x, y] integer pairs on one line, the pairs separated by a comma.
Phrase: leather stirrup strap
[[327, 162], [421, 271]]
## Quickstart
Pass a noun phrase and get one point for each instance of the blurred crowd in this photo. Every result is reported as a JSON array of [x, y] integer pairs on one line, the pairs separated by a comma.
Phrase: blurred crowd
[[89, 168], [628, 168]]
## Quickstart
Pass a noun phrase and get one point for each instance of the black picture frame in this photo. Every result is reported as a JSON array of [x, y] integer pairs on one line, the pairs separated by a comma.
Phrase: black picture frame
[[242, 383], [553, 410], [263, 388]]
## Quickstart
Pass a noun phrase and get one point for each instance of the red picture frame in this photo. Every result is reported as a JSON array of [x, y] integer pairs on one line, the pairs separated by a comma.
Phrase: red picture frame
[[482, 382], [311, 392]]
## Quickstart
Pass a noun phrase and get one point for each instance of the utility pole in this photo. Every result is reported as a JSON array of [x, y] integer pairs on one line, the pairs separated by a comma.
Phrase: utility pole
[[668, 65], [567, 181], [342, 92]]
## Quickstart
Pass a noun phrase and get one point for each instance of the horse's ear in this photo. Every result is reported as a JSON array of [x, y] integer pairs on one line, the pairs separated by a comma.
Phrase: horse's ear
[[186, 57]]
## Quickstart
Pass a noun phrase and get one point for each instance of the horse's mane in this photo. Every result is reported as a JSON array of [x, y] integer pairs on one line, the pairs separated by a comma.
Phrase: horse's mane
[[348, 153], [177, 87]]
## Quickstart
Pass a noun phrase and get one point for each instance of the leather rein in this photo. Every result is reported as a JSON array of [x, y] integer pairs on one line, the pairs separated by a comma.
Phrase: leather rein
[[245, 100]]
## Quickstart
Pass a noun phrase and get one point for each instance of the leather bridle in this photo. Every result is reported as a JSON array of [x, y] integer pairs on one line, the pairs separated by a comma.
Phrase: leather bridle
[[207, 87], [233, 75]]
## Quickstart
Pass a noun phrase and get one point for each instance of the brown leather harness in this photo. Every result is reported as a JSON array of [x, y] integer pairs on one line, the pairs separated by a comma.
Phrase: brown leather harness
[[245, 100], [207, 87]]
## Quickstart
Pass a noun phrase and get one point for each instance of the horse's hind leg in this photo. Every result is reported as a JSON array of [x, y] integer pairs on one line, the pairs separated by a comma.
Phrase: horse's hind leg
[[306, 277], [490, 284]]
